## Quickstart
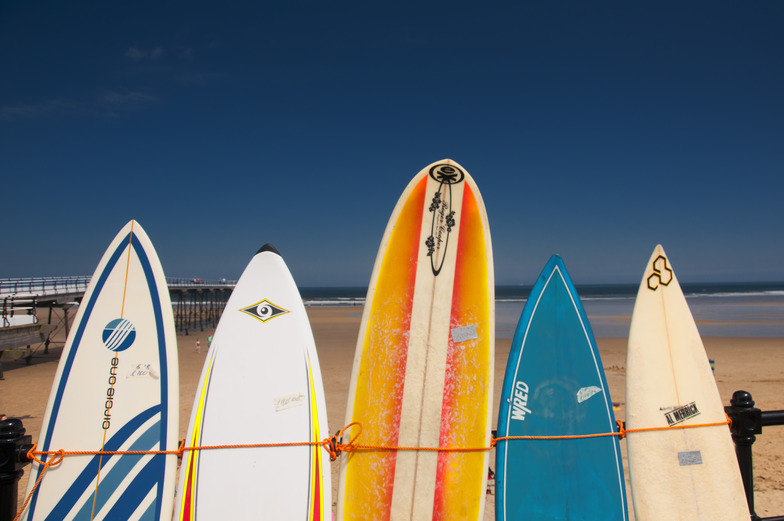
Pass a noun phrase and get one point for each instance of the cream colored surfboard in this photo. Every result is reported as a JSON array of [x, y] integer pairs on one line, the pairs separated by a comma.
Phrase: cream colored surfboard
[[423, 367], [686, 474], [116, 389]]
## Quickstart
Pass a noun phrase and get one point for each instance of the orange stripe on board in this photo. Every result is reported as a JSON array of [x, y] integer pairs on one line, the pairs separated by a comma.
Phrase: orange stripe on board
[[379, 393], [458, 492], [122, 315], [127, 268]]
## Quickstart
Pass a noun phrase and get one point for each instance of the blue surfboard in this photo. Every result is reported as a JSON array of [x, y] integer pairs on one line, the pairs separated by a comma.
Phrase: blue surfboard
[[555, 385]]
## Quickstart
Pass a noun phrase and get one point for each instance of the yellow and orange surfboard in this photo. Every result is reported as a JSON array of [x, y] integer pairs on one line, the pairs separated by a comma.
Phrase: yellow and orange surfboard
[[423, 368]]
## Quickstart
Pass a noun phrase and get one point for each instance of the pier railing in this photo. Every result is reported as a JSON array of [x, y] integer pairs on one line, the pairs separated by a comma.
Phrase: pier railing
[[44, 285], [196, 282], [197, 302], [78, 284]]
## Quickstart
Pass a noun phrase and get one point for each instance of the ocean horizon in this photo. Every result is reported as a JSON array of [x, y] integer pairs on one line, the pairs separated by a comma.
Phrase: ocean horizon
[[753, 309]]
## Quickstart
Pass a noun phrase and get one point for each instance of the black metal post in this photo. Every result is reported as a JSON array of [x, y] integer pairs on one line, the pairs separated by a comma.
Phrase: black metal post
[[14, 444], [746, 423], [772, 418]]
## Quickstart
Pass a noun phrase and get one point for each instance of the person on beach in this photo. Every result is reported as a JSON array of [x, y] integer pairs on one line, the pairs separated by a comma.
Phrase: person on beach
[[198, 346]]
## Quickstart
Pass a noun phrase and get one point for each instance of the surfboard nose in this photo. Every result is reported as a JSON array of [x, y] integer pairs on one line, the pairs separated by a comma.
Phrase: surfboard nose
[[268, 247]]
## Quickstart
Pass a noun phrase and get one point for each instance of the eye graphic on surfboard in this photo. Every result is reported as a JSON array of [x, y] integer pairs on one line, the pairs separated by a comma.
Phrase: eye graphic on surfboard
[[264, 310], [119, 334]]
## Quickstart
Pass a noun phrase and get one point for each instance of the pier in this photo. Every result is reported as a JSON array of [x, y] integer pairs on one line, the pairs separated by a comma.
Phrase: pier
[[33, 310], [198, 304]]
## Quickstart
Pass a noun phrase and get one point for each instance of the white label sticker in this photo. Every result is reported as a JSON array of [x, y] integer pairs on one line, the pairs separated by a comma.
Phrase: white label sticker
[[681, 414], [142, 370], [462, 334], [690, 457], [586, 392], [282, 403]]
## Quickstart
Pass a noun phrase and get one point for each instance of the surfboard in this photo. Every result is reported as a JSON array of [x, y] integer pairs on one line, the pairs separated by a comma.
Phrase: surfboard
[[116, 389], [423, 366], [261, 384], [689, 473], [554, 385]]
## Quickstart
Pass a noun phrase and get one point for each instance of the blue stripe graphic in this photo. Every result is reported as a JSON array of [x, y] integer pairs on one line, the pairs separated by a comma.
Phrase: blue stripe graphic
[[109, 482], [87, 477], [149, 514], [148, 478], [158, 312]]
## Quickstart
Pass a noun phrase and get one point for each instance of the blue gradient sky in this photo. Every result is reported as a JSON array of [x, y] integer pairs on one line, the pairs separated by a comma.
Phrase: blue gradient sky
[[594, 130]]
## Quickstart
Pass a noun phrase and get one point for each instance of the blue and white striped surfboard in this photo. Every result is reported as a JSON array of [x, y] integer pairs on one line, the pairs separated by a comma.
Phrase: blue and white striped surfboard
[[555, 386], [116, 389]]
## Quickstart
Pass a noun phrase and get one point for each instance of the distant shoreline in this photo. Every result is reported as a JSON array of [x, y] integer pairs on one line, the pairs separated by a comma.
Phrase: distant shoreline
[[317, 295], [744, 312]]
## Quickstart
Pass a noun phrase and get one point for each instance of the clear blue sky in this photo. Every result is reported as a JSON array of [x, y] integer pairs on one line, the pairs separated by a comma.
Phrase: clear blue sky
[[594, 130]]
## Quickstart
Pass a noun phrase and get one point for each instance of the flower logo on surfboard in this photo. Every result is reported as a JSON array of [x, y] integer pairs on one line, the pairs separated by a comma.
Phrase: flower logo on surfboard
[[443, 214], [118, 335]]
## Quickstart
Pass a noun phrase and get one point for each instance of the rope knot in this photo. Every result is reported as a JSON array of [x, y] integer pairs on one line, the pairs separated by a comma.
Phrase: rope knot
[[335, 446], [181, 449], [58, 457], [332, 445], [621, 430]]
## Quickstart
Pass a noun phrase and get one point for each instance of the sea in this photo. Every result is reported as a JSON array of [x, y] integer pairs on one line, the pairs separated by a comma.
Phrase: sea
[[720, 309]]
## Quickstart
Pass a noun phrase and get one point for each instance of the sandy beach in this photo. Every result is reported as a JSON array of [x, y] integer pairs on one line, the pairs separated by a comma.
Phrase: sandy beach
[[751, 364]]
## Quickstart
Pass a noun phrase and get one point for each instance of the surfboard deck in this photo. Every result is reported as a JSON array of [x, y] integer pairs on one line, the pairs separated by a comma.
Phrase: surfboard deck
[[554, 385], [261, 383], [116, 388], [423, 367], [691, 473]]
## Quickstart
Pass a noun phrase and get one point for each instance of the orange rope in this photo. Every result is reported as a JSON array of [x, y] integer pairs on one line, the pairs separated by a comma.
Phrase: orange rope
[[180, 450], [622, 432], [46, 464], [335, 446]]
